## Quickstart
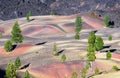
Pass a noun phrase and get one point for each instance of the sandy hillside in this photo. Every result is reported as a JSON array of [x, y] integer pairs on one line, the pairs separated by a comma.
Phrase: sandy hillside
[[40, 34]]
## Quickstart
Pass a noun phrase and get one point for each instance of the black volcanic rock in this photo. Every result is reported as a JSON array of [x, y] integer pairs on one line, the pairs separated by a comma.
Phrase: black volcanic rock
[[18, 8]]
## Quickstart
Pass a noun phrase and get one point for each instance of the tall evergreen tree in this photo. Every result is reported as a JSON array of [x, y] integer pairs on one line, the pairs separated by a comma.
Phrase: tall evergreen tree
[[99, 43], [55, 50], [91, 53], [16, 35], [17, 63], [91, 37], [8, 46], [78, 26], [28, 16], [10, 71], [26, 74], [106, 21]]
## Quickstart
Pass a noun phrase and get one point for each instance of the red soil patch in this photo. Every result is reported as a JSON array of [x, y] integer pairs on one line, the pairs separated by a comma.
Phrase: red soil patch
[[20, 49], [114, 55], [59, 70]]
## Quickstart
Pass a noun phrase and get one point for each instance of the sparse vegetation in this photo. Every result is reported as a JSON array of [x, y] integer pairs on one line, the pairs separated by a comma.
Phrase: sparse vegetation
[[91, 53], [78, 26], [110, 37], [26, 74], [99, 43], [106, 21], [10, 71], [115, 68], [91, 38], [74, 74], [28, 16], [16, 35], [8, 46], [0, 34], [55, 50], [17, 63], [83, 73], [63, 57], [51, 13], [108, 55], [96, 71], [77, 37]]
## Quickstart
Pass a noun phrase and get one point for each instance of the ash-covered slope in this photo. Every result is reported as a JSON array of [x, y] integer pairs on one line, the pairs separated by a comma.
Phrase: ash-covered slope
[[18, 8]]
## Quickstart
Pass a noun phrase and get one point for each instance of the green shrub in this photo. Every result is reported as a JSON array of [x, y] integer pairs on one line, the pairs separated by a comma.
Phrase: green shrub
[[55, 50], [28, 16], [99, 43], [8, 46], [91, 53], [106, 21], [91, 37], [74, 74], [108, 55], [109, 37], [77, 37], [51, 13], [10, 71], [17, 63], [63, 57], [83, 73], [26, 74], [96, 71], [115, 68]]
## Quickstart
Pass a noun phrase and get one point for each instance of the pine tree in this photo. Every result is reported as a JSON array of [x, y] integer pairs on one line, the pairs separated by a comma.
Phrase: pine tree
[[16, 35], [8, 46], [96, 71], [10, 71], [83, 73], [26, 74], [106, 21], [78, 26], [91, 53], [109, 37], [99, 43], [55, 50], [28, 16], [91, 37], [17, 63], [108, 55], [77, 37], [74, 75], [63, 57]]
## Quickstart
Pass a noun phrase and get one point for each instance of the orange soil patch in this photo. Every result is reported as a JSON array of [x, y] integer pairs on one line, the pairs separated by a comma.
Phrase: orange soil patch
[[20, 49], [114, 55]]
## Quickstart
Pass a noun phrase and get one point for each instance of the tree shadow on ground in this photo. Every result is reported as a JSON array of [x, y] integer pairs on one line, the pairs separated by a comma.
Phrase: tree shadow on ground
[[108, 46], [41, 43], [111, 50], [2, 73], [61, 51], [13, 47]]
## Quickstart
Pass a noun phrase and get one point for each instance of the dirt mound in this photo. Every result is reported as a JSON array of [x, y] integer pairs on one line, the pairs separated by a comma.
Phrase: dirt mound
[[20, 49]]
